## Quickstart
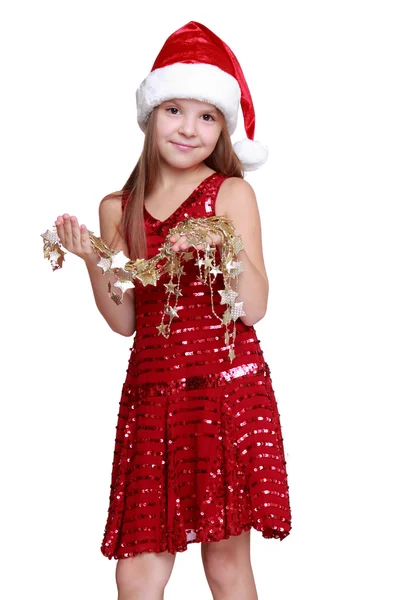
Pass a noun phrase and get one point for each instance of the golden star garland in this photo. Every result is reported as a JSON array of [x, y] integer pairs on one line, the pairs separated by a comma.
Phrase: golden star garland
[[150, 270]]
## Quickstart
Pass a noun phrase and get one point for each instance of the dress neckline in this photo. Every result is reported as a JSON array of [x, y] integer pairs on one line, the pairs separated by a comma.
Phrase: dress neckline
[[183, 204]]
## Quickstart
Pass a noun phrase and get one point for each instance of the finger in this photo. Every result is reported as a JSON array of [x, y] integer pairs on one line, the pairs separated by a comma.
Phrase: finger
[[181, 243], [67, 230], [217, 239], [210, 239], [85, 239], [60, 229], [76, 234]]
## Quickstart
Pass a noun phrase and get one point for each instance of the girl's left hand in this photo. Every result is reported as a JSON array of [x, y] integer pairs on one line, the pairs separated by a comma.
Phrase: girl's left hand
[[214, 239]]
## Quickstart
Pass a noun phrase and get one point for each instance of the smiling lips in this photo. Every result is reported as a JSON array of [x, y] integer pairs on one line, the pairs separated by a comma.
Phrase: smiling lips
[[183, 147]]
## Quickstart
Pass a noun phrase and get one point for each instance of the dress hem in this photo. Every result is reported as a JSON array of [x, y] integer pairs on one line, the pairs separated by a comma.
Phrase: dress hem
[[267, 533]]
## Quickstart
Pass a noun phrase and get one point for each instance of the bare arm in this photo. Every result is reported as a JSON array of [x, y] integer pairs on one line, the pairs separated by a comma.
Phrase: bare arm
[[75, 238], [121, 318], [239, 201]]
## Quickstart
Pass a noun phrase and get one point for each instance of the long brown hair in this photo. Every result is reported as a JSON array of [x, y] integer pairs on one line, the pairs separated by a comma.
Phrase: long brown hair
[[143, 178]]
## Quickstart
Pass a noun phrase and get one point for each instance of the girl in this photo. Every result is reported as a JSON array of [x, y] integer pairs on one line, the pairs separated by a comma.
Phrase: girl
[[199, 452]]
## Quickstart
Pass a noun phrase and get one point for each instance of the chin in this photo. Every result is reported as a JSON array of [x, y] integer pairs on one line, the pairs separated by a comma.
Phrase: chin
[[179, 158], [183, 163]]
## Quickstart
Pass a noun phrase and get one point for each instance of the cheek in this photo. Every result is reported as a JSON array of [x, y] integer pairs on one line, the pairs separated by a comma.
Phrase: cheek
[[210, 135], [164, 127]]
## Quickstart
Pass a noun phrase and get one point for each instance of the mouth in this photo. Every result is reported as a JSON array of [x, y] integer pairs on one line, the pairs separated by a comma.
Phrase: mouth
[[183, 146]]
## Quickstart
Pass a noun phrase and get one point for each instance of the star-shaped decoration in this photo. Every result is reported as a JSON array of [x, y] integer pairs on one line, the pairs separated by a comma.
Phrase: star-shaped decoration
[[140, 264], [232, 354], [215, 271], [124, 285], [124, 275], [188, 256], [238, 244], [116, 298], [235, 268], [208, 262], [237, 310], [54, 255], [170, 310], [119, 260], [51, 236], [239, 268], [162, 329], [166, 249], [228, 296], [147, 277], [170, 266], [105, 264], [199, 262], [178, 292], [170, 286], [226, 317]]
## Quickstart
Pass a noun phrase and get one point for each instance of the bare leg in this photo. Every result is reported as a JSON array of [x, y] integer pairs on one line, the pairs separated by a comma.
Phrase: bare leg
[[228, 568], [144, 576]]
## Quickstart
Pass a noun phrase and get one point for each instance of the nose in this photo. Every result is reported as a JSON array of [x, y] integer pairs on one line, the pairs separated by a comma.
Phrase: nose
[[188, 126]]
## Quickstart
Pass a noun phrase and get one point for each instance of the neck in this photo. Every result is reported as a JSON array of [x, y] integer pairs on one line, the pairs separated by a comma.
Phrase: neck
[[169, 176]]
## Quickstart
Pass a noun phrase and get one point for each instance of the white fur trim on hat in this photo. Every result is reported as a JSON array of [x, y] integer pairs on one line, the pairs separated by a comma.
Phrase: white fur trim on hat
[[198, 81], [251, 154]]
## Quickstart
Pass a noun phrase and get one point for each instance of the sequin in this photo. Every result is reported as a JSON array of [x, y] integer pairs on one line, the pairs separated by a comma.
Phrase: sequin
[[199, 452]]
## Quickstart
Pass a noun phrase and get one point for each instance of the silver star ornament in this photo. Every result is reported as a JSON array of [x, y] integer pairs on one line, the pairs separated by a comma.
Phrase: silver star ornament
[[105, 264], [237, 311], [51, 236], [124, 285], [228, 296], [54, 255], [119, 260]]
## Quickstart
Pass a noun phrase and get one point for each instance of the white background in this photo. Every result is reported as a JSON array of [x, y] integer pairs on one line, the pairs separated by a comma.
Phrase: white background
[[324, 80]]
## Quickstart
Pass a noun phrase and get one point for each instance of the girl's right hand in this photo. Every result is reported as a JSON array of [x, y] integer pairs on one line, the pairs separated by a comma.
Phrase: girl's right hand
[[75, 239]]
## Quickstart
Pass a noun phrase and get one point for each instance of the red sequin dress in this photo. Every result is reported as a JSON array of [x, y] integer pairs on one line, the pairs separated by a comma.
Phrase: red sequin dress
[[199, 453]]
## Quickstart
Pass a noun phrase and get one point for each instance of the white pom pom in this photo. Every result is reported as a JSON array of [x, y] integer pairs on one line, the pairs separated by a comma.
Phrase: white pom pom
[[251, 154]]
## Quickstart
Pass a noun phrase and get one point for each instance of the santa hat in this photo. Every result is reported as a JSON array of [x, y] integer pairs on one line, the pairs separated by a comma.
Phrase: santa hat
[[195, 63]]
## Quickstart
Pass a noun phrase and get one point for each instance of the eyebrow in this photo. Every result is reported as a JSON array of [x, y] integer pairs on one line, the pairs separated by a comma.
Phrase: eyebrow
[[211, 110]]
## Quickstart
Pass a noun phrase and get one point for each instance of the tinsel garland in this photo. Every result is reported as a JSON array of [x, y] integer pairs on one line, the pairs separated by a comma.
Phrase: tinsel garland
[[148, 271]]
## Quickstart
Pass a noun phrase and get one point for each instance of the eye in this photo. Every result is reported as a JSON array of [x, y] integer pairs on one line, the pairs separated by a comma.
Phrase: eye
[[173, 108], [209, 117]]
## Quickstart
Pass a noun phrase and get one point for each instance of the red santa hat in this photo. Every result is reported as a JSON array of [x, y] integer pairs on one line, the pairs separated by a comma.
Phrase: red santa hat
[[195, 63]]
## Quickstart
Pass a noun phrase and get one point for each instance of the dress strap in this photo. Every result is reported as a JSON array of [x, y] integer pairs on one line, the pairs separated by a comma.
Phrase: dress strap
[[212, 191]]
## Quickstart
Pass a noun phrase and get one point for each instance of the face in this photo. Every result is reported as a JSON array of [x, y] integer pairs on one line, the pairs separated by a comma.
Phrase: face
[[186, 131]]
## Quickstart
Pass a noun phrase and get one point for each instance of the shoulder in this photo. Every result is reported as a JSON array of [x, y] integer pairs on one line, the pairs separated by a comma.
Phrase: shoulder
[[235, 186], [235, 194], [111, 203], [239, 205], [110, 214]]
